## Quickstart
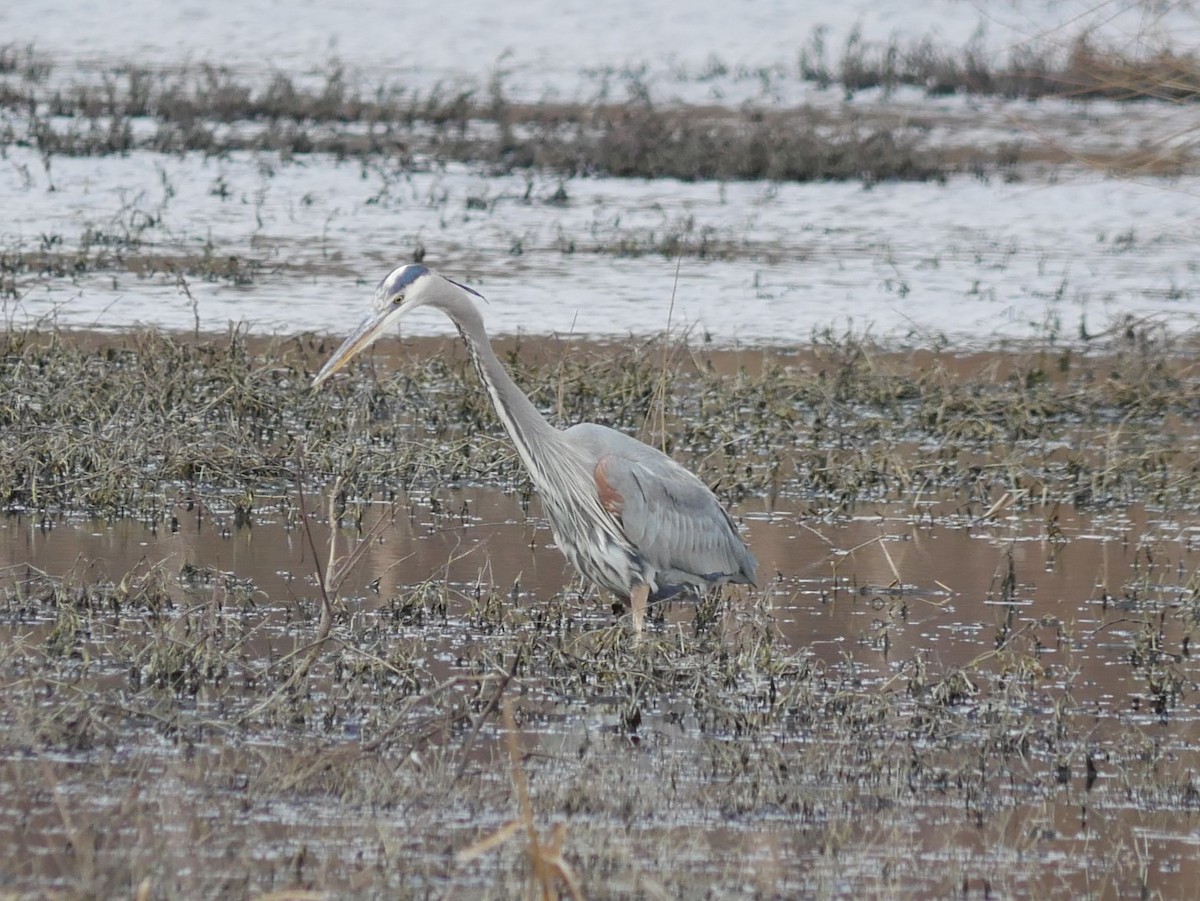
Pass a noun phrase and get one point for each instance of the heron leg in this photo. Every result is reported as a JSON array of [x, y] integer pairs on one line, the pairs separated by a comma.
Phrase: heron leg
[[638, 598]]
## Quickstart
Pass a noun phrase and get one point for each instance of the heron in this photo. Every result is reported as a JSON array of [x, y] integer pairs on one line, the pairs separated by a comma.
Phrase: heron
[[629, 518]]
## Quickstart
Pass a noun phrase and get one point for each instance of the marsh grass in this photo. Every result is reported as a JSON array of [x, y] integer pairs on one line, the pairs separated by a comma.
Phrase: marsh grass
[[135, 426], [208, 109], [637, 139], [1078, 69], [132, 241], [353, 745], [17, 267]]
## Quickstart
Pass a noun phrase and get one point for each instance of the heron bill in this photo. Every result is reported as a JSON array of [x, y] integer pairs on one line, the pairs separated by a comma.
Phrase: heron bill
[[361, 338]]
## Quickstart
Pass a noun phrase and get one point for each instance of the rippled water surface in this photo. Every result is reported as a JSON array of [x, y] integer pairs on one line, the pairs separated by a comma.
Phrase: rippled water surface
[[913, 262], [1065, 252]]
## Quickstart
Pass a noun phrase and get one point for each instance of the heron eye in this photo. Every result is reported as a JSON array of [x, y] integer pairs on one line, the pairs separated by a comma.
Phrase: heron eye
[[398, 299]]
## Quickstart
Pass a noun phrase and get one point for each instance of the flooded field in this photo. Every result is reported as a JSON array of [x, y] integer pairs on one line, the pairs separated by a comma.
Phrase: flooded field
[[913, 291], [927, 191], [967, 669], [294, 248]]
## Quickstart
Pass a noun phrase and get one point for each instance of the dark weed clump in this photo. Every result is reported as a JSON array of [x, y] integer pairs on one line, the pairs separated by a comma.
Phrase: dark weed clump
[[194, 112], [806, 145], [17, 266]]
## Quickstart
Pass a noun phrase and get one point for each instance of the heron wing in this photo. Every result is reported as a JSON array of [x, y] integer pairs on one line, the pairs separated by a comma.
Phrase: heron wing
[[671, 517]]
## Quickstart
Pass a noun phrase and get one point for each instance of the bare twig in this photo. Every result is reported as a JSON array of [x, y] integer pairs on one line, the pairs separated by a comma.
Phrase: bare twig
[[488, 710]]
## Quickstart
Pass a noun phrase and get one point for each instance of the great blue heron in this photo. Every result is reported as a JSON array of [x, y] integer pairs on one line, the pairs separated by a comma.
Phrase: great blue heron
[[626, 515]]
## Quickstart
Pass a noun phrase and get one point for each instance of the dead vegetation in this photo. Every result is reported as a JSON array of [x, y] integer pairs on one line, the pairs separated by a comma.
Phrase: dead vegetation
[[139, 424], [1078, 70], [210, 113], [211, 110], [809, 772], [705, 755], [172, 730], [251, 744]]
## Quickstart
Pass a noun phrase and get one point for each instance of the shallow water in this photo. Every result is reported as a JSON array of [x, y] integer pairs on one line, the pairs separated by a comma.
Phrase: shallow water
[[912, 263], [868, 594], [1059, 251], [836, 587]]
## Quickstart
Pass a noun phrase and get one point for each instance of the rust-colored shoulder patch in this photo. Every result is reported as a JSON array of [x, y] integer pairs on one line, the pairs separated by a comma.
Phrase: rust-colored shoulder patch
[[610, 498]]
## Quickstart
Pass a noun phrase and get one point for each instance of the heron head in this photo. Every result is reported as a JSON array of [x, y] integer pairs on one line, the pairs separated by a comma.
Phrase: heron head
[[402, 290]]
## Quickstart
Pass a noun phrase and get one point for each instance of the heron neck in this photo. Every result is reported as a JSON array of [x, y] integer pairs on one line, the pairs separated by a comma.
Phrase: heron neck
[[525, 424]]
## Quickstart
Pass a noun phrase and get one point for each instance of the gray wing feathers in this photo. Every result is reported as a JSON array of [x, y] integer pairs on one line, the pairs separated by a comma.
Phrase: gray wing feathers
[[676, 522], [670, 516]]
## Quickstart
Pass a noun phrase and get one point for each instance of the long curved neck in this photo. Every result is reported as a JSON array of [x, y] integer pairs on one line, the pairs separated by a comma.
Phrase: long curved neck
[[525, 424], [563, 476]]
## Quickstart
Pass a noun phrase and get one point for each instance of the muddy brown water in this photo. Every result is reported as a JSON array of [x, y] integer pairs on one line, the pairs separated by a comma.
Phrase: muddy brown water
[[890, 584]]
